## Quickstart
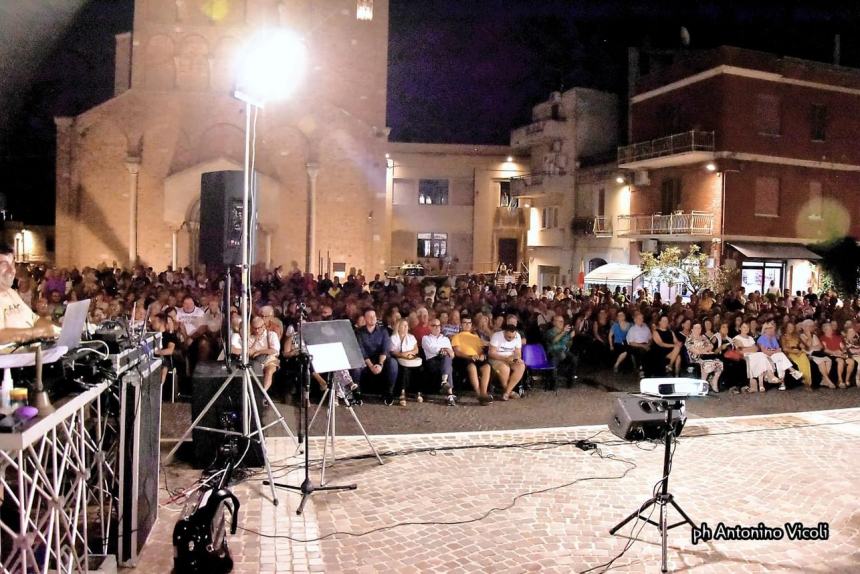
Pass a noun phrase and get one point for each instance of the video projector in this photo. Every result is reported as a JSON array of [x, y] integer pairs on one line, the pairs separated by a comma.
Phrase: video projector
[[674, 387]]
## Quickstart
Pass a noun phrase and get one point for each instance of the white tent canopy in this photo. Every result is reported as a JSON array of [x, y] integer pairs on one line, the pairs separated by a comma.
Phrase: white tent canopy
[[614, 274]]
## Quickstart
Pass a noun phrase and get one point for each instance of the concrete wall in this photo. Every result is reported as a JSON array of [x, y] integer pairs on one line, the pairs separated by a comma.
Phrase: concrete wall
[[474, 173]]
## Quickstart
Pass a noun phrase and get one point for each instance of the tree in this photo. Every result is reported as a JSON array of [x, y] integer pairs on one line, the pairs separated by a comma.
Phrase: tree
[[839, 261], [674, 267]]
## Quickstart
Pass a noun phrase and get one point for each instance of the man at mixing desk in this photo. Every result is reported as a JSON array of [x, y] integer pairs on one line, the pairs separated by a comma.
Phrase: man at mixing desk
[[18, 322]]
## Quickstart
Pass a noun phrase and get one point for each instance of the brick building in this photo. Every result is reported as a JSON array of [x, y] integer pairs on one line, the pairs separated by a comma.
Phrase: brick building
[[128, 170], [750, 154]]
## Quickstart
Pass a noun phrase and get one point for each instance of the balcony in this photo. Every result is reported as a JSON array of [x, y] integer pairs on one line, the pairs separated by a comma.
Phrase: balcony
[[509, 217], [540, 131], [541, 184], [678, 149], [693, 223], [598, 226]]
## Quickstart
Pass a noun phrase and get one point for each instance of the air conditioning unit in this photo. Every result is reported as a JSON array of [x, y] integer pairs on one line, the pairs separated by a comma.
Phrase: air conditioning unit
[[641, 177], [650, 245]]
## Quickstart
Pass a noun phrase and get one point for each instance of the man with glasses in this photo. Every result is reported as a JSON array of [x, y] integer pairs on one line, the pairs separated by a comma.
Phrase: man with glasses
[[438, 357], [469, 357], [264, 347]]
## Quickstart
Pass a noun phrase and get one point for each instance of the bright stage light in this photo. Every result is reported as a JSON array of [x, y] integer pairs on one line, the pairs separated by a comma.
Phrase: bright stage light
[[271, 66], [711, 166]]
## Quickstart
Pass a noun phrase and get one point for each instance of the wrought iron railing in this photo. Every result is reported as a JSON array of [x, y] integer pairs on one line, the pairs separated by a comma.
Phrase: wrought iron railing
[[598, 226], [683, 142], [693, 223]]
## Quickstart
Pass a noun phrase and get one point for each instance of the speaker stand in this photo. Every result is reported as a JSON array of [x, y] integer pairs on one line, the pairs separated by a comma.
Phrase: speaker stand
[[664, 498], [249, 407]]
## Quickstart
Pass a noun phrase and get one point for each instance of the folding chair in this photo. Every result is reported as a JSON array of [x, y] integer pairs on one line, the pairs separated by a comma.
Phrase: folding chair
[[537, 363]]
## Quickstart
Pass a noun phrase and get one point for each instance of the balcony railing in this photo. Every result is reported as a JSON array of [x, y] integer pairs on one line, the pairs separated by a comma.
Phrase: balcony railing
[[693, 223], [525, 185], [684, 142], [598, 226], [539, 131]]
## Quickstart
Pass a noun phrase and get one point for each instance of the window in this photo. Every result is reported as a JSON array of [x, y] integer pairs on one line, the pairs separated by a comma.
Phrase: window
[[403, 192], [549, 218], [505, 198], [595, 263], [767, 197], [767, 115], [601, 202], [432, 244], [670, 195], [433, 191], [818, 122], [815, 201], [339, 270]]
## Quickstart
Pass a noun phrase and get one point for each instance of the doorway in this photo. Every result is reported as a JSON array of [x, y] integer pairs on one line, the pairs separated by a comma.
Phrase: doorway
[[508, 250]]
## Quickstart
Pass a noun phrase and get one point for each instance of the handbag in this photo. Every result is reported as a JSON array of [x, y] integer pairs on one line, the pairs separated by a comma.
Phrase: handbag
[[734, 355]]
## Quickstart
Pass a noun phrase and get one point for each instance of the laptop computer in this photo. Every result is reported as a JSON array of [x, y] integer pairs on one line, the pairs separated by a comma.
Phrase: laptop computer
[[73, 324]]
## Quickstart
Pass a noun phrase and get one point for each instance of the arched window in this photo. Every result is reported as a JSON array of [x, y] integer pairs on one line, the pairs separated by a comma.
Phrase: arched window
[[595, 263]]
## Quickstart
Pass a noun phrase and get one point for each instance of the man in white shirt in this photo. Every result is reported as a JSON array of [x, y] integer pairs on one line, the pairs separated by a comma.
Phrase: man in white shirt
[[17, 321], [263, 349], [193, 329], [639, 341], [506, 359], [438, 356]]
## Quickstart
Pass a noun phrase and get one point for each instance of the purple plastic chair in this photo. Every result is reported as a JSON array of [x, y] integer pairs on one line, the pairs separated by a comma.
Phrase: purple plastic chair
[[534, 356]]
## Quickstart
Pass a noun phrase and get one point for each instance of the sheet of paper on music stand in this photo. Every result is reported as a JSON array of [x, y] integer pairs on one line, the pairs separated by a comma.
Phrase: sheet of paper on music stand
[[328, 357]]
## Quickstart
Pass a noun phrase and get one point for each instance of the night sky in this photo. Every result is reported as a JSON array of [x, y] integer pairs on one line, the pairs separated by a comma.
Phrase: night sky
[[459, 71]]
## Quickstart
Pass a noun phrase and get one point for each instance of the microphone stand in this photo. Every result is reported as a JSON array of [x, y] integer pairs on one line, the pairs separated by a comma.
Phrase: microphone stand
[[307, 488]]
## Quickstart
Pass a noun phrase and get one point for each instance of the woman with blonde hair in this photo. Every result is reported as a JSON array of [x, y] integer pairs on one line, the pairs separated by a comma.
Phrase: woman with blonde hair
[[790, 342], [811, 345], [404, 349]]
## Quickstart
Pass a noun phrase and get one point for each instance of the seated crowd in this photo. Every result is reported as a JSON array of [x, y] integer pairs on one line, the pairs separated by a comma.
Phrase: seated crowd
[[427, 337]]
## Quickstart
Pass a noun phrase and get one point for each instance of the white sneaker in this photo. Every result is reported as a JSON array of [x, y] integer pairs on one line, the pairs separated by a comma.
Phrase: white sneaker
[[782, 387], [452, 400]]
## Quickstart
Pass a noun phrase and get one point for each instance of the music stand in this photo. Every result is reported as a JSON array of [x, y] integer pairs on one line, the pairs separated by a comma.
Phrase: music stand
[[331, 346]]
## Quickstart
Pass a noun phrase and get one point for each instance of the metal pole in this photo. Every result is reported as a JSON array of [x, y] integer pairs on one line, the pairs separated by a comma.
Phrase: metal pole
[[246, 270]]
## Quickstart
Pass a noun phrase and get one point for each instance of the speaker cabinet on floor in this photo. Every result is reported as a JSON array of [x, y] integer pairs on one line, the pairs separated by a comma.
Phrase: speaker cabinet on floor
[[225, 412], [640, 418], [139, 457], [221, 210]]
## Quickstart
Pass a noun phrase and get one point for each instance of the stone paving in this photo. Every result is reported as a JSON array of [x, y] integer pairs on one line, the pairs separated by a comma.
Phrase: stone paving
[[588, 402], [548, 507]]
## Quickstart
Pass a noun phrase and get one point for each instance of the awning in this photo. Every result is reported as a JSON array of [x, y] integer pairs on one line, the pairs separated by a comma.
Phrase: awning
[[614, 274], [775, 251]]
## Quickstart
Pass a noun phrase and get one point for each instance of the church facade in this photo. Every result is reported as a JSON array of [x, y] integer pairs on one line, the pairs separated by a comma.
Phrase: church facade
[[128, 170]]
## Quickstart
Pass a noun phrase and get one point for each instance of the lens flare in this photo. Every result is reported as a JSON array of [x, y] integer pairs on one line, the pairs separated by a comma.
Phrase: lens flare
[[823, 219]]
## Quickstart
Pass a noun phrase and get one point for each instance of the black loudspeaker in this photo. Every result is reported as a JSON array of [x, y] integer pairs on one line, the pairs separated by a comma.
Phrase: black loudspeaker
[[225, 414], [221, 210], [640, 418], [139, 458]]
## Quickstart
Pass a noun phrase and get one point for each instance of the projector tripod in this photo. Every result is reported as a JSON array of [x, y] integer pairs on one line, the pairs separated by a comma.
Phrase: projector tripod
[[664, 498]]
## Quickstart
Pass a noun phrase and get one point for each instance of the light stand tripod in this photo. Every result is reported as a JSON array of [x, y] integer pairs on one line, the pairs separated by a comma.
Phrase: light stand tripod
[[664, 497], [334, 392], [244, 369], [334, 348]]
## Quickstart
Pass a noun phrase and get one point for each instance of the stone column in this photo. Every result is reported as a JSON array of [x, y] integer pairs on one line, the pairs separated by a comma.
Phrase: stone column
[[65, 215], [174, 247], [310, 257], [133, 165]]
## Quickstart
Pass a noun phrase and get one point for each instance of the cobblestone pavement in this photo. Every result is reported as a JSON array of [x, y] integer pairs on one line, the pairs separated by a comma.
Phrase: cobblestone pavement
[[548, 507], [588, 402]]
